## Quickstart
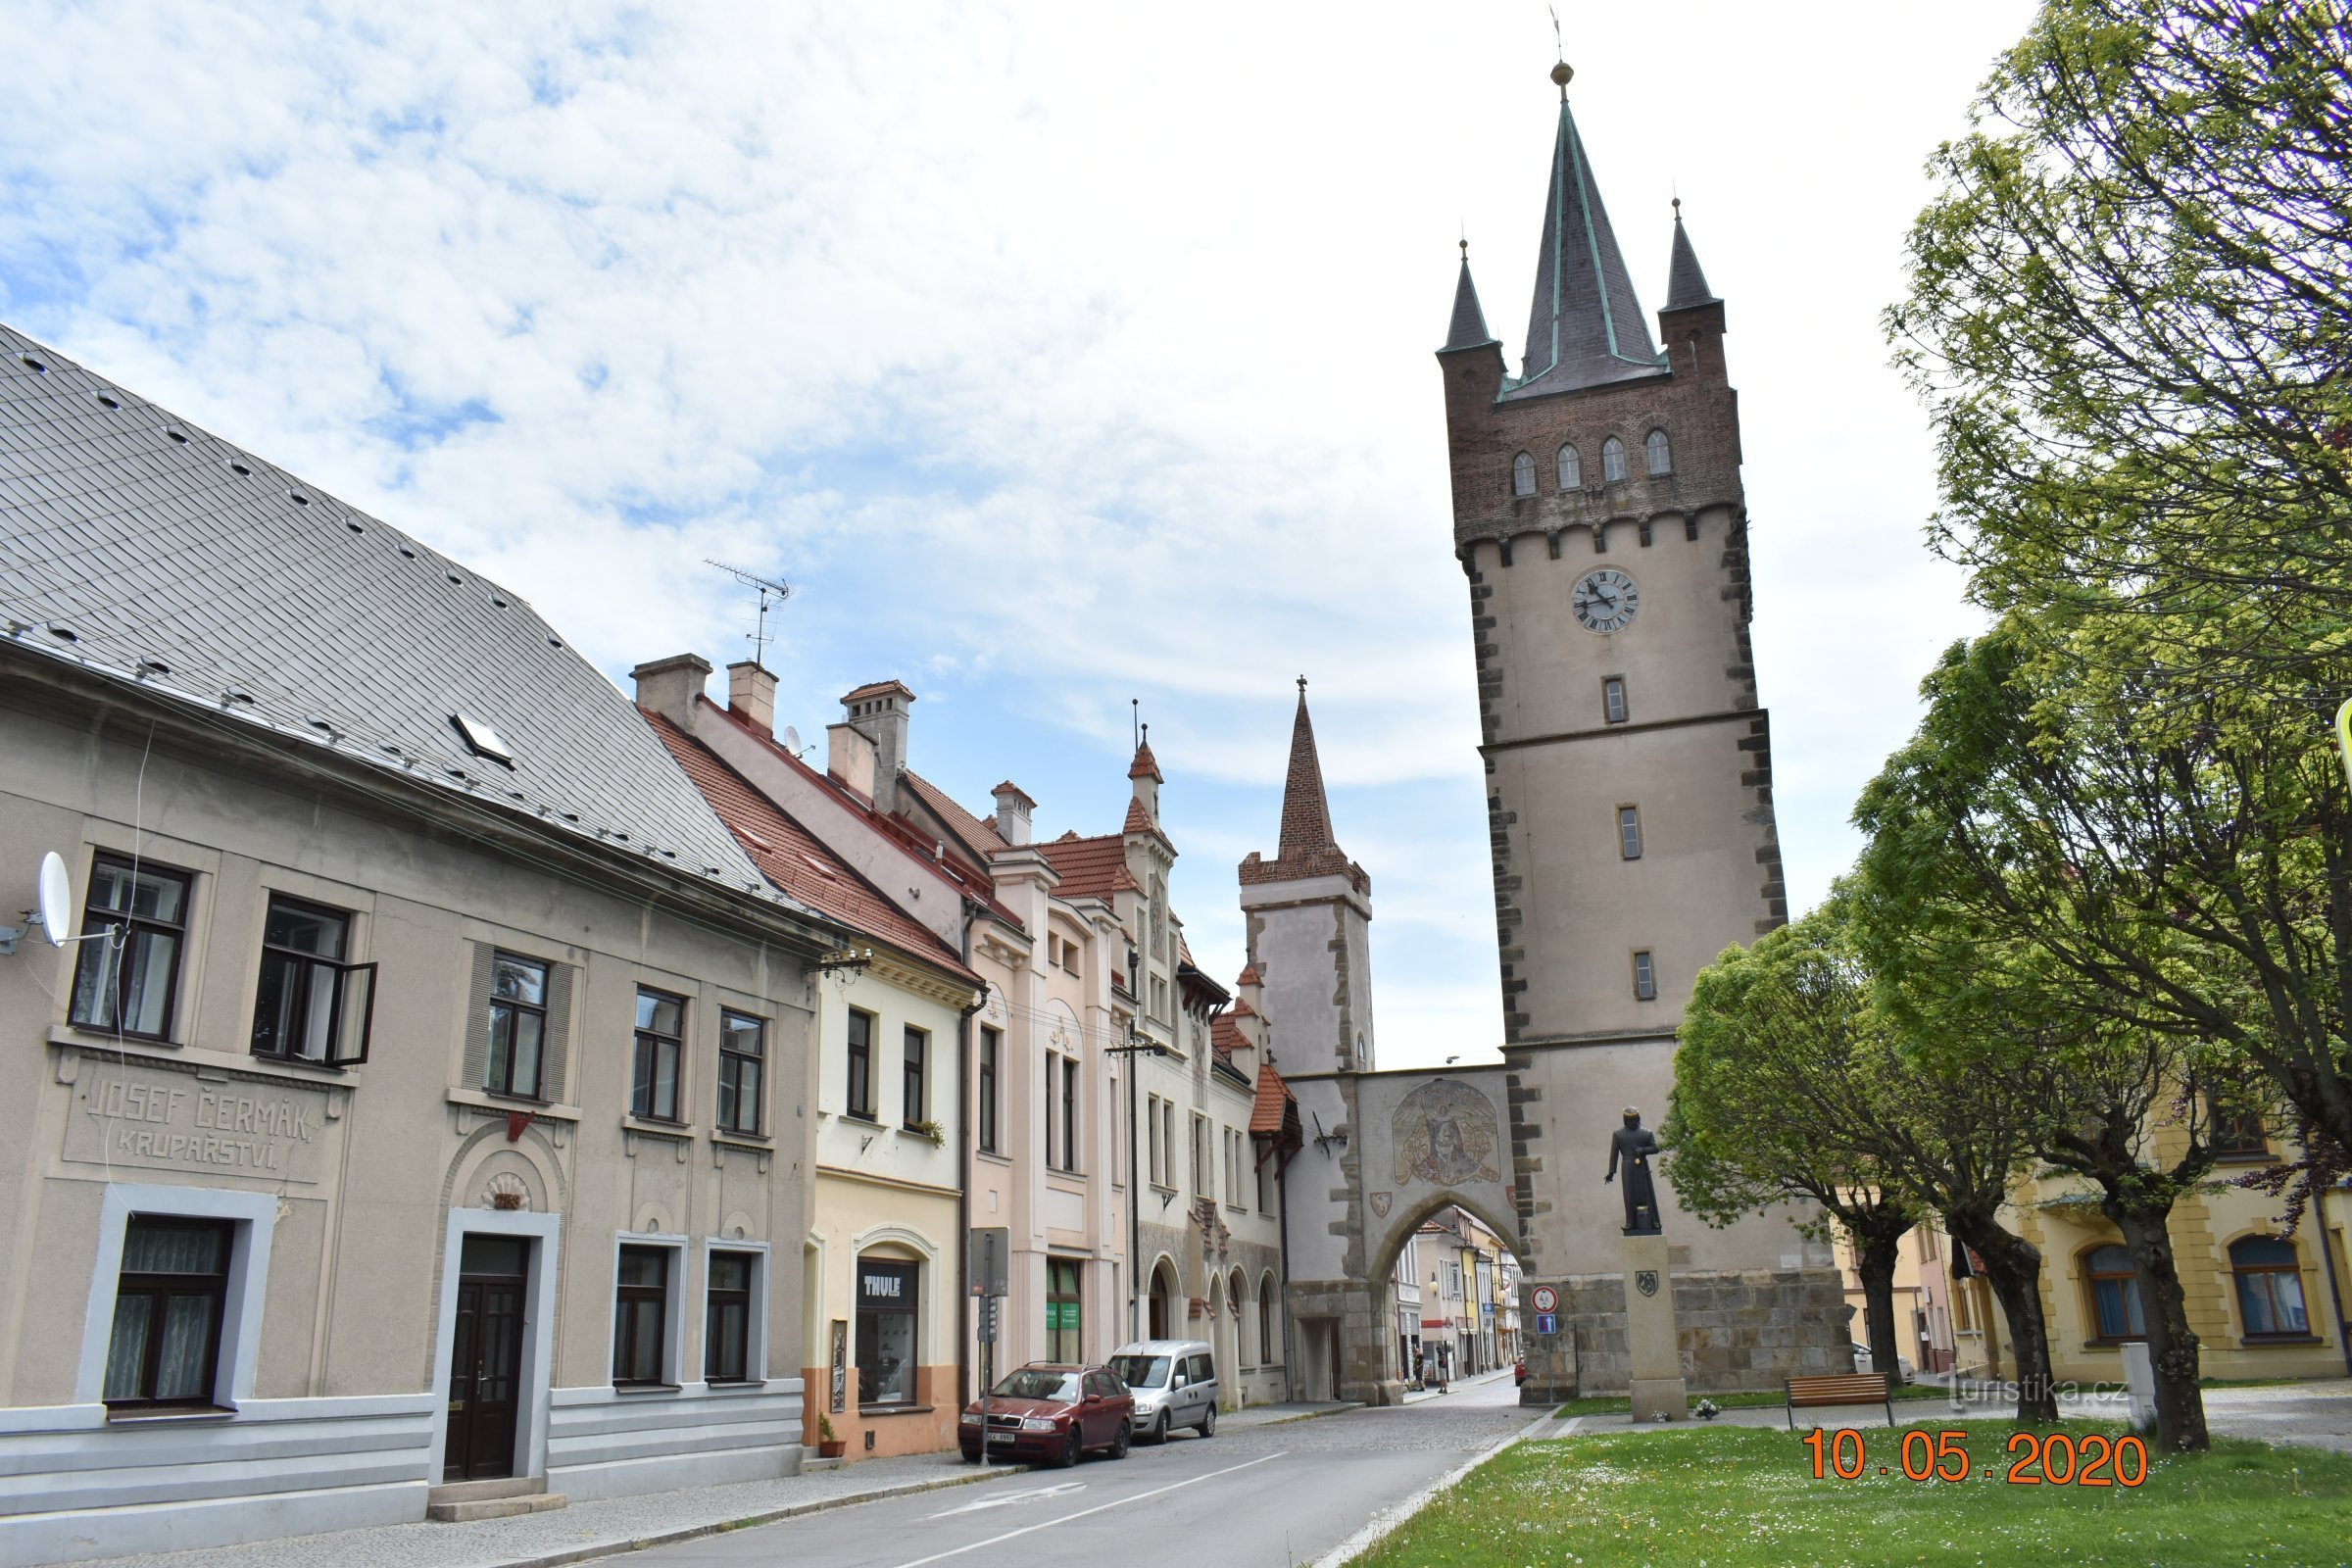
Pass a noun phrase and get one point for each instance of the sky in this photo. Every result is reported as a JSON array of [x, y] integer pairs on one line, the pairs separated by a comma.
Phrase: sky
[[1061, 356]]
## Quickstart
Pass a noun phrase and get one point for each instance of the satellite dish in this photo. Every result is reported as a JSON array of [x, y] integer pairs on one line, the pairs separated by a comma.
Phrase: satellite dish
[[792, 740], [57, 900]]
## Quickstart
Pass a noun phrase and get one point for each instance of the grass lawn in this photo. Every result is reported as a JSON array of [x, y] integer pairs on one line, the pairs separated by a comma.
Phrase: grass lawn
[[1740, 1498], [1743, 1399]]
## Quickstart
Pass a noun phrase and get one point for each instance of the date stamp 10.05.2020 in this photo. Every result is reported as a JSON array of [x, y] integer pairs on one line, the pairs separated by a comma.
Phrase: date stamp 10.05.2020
[[2028, 1459]]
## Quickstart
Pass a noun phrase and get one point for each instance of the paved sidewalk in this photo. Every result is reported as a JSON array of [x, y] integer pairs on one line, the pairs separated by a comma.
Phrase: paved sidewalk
[[621, 1524]]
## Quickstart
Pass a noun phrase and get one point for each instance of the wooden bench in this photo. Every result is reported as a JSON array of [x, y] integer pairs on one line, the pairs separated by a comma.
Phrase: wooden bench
[[1845, 1387]]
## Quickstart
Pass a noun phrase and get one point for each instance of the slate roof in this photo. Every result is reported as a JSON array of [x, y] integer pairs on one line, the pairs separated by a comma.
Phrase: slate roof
[[183, 563], [1468, 330], [798, 860], [1685, 284], [1584, 326]]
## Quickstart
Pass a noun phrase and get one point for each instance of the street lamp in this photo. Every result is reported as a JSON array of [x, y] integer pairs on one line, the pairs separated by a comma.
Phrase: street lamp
[[1137, 1045]]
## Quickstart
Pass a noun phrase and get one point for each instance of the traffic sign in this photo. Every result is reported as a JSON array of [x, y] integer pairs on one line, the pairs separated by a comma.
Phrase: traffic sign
[[1548, 1323], [1547, 1299]]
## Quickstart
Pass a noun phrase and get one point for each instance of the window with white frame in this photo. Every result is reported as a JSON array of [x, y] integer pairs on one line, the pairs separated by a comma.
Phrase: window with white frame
[[171, 1300], [733, 1291], [1572, 469], [1660, 453], [1612, 461], [1523, 475], [645, 1284]]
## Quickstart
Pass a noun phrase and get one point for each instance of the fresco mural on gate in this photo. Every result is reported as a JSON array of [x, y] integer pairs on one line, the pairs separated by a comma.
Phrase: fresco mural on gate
[[1444, 1132]]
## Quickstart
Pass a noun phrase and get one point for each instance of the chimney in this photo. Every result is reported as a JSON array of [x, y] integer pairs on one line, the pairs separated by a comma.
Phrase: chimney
[[878, 712], [1013, 807], [752, 695], [850, 757], [669, 686]]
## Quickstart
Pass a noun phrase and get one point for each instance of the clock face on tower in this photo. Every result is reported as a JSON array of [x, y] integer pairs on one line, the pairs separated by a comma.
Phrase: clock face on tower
[[1605, 600]]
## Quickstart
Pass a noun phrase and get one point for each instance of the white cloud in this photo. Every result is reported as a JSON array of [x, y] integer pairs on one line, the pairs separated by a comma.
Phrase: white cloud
[[1057, 353]]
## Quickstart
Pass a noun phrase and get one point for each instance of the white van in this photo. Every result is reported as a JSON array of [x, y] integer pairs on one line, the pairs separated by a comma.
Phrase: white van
[[1174, 1382]]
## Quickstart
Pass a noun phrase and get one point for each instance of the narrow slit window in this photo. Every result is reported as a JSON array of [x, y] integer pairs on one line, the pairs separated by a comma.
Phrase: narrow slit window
[[1646, 977], [1629, 832], [1612, 700]]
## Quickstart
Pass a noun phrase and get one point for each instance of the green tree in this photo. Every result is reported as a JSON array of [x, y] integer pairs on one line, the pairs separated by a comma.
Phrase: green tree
[[2130, 312], [1777, 1083]]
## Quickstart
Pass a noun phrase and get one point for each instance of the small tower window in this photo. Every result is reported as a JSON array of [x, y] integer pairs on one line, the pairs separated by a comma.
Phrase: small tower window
[[1661, 455], [1612, 460], [1629, 832], [1523, 475], [1572, 469], [1612, 700], [1646, 977]]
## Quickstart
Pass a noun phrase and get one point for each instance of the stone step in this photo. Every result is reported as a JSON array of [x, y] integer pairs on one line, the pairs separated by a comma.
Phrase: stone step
[[495, 1507], [479, 1491]]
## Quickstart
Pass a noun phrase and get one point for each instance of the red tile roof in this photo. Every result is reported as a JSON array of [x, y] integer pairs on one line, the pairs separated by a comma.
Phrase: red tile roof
[[1248, 976], [979, 835], [1146, 766], [1090, 868], [798, 861], [1275, 1114], [877, 688], [1225, 1036]]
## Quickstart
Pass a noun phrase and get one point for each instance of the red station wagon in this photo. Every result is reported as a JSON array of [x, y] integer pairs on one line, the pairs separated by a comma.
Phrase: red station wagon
[[1053, 1413]]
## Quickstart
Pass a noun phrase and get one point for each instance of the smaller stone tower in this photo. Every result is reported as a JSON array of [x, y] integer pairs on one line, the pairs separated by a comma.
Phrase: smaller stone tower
[[1308, 913]]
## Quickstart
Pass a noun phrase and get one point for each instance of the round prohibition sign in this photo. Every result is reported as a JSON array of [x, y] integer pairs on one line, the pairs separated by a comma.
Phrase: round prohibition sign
[[1547, 1299]]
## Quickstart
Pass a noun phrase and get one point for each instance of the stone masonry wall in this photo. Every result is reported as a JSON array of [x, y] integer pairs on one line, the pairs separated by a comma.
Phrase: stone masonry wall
[[1747, 1330]]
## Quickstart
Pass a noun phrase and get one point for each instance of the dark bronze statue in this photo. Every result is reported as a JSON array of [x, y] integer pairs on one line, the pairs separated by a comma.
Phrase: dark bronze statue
[[1634, 1144]]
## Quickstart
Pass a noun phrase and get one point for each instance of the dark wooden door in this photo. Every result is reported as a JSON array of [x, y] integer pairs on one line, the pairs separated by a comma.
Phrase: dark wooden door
[[485, 1378]]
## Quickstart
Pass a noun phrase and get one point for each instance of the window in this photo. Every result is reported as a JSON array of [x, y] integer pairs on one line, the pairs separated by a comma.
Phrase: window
[[1629, 832], [165, 1346], [742, 1063], [1523, 475], [2270, 1288], [727, 1318], [1660, 454], [1069, 1113], [126, 983], [1269, 1342], [2114, 1294], [640, 1313], [1265, 1187], [991, 1049], [1204, 1176], [1572, 469], [1646, 978], [2238, 1134], [1052, 947], [660, 1039], [1069, 956], [1064, 1311], [1612, 460], [1612, 700], [886, 1301], [312, 1006], [918, 1046], [1168, 1135], [1158, 1154], [517, 1027], [861, 1064], [1159, 998]]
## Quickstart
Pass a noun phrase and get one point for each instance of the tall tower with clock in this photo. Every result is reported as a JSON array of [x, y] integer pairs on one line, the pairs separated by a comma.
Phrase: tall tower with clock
[[1600, 520]]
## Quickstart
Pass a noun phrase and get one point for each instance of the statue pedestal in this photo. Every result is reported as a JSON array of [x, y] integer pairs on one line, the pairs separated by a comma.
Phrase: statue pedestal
[[1657, 1362]]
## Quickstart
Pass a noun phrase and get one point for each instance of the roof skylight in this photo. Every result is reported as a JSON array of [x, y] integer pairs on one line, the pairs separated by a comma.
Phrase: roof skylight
[[482, 739]]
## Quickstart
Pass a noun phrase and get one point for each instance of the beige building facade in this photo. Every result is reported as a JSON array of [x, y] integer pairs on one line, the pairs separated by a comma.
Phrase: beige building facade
[[416, 1117]]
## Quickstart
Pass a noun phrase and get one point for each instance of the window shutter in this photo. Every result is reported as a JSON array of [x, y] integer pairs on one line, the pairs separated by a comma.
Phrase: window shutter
[[477, 1019], [557, 1055]]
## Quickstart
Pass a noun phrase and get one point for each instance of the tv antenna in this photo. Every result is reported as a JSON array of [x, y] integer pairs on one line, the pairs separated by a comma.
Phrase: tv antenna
[[771, 589]]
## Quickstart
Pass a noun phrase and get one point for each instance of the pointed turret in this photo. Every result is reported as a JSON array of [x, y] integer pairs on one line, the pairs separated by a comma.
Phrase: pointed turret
[[1469, 327], [1305, 809], [1685, 284], [1144, 773], [1584, 326]]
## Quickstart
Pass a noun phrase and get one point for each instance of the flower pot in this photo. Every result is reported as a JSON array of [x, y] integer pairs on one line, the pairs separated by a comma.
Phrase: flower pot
[[833, 1450]]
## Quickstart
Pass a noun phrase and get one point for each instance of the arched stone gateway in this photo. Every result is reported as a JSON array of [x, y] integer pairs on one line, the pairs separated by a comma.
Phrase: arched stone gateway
[[1522, 1147]]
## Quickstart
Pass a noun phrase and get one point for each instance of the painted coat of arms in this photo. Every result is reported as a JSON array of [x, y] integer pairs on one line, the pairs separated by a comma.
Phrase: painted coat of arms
[[1444, 1134], [1381, 1204]]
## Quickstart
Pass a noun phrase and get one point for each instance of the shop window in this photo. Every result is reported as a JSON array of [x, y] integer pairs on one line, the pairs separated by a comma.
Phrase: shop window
[[886, 1310], [127, 984], [641, 1317], [312, 1006], [2114, 1294], [165, 1349], [1064, 1311], [741, 1067], [727, 1317], [2270, 1288]]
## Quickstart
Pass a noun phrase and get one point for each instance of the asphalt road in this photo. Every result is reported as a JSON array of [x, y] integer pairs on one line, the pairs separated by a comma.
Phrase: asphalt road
[[1274, 1495]]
